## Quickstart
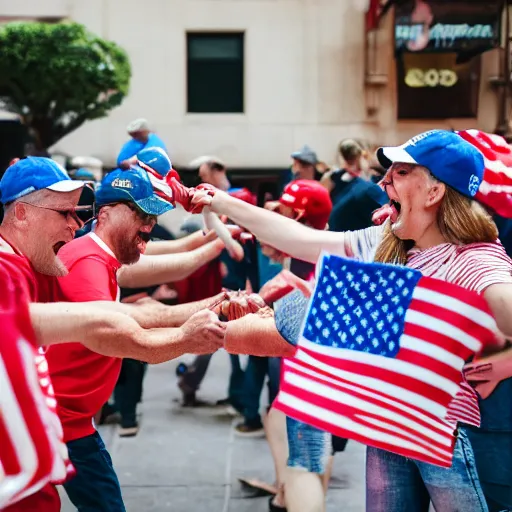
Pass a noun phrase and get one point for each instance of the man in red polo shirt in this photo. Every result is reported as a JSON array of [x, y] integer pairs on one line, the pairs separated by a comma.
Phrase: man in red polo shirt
[[84, 380]]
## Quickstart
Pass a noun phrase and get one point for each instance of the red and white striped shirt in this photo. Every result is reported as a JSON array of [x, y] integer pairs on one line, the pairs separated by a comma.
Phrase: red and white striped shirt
[[473, 266]]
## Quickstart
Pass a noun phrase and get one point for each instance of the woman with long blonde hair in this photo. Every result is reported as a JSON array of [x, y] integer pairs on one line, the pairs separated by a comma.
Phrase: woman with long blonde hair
[[435, 226]]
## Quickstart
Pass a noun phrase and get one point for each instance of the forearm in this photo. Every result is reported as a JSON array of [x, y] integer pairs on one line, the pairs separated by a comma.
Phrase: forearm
[[159, 269], [256, 336], [499, 299], [155, 314], [187, 243], [278, 231], [108, 332]]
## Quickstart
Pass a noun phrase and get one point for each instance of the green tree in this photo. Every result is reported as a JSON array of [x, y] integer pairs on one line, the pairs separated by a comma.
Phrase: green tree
[[57, 76]]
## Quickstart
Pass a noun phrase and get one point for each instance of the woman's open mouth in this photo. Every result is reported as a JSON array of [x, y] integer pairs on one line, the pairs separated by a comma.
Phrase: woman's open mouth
[[388, 211], [395, 207]]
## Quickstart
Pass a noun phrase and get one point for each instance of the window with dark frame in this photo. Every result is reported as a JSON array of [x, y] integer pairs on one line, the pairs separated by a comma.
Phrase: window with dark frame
[[215, 72]]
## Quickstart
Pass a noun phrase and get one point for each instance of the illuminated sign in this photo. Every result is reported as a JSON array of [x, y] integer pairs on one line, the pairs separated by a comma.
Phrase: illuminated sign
[[442, 26], [416, 77], [441, 36]]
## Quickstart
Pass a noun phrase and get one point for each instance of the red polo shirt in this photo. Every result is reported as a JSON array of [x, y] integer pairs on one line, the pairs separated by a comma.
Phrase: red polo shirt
[[84, 380], [37, 287]]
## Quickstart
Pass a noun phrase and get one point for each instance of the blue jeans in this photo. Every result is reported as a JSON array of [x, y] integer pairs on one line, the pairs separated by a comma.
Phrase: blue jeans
[[95, 487], [309, 448], [128, 391], [492, 444], [257, 369], [493, 454], [236, 390], [397, 484]]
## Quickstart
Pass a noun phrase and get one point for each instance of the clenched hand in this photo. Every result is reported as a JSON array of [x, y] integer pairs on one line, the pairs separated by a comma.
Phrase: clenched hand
[[238, 304], [203, 332]]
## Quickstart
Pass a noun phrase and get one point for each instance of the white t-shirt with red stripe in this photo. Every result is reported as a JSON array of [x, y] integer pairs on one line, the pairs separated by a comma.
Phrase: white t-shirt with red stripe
[[472, 266]]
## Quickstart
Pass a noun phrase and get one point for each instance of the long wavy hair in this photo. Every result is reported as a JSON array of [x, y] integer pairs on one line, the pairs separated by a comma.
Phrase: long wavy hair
[[461, 221]]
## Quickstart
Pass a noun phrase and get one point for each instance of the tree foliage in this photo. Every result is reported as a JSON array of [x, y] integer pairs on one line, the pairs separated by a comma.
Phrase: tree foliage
[[57, 76]]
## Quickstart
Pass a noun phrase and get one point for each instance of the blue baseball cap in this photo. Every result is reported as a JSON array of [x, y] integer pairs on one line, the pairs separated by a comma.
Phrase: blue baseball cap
[[445, 154], [155, 158], [84, 174], [132, 186], [35, 173]]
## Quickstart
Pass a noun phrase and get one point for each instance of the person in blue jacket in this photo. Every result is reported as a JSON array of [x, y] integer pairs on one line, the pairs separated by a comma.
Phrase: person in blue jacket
[[141, 137]]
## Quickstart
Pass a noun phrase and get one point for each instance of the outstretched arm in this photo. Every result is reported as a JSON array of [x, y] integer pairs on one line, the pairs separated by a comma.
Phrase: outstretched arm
[[256, 335], [185, 244], [152, 314], [117, 335], [167, 268], [276, 230]]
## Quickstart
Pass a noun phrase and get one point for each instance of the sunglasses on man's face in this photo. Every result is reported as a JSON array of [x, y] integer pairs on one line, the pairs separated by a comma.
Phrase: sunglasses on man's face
[[144, 217], [79, 214]]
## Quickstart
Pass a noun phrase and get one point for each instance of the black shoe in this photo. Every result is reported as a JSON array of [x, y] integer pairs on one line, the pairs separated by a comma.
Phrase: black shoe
[[130, 431], [223, 403], [245, 430], [109, 415], [190, 400]]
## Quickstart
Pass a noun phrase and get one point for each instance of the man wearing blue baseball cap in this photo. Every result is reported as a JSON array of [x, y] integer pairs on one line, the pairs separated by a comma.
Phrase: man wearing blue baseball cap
[[433, 225], [39, 191], [126, 211], [141, 137]]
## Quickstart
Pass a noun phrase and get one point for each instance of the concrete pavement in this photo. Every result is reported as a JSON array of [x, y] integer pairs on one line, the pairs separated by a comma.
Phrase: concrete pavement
[[189, 460]]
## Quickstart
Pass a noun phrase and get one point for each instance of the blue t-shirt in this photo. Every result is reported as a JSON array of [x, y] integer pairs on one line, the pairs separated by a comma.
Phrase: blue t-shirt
[[132, 147], [268, 269], [354, 201]]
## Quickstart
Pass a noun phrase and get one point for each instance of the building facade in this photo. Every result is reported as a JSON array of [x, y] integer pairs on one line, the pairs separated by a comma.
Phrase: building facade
[[252, 80]]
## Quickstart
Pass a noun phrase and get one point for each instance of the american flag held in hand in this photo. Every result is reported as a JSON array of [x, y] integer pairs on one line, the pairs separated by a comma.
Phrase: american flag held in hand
[[380, 357]]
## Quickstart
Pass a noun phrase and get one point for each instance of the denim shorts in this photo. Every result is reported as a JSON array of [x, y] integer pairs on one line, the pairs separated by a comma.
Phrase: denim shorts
[[309, 448]]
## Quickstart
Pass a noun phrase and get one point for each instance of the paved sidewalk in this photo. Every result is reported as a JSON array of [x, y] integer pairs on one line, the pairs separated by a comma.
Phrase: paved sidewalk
[[186, 460]]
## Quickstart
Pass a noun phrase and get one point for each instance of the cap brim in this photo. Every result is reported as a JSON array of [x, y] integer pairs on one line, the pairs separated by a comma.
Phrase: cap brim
[[389, 155], [154, 205], [66, 186]]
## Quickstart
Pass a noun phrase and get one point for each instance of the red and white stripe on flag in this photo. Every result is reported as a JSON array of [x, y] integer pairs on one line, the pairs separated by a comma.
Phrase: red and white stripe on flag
[[32, 451], [380, 357], [496, 188]]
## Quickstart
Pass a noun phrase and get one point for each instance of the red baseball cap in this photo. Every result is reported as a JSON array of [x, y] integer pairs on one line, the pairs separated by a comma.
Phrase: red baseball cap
[[310, 200]]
